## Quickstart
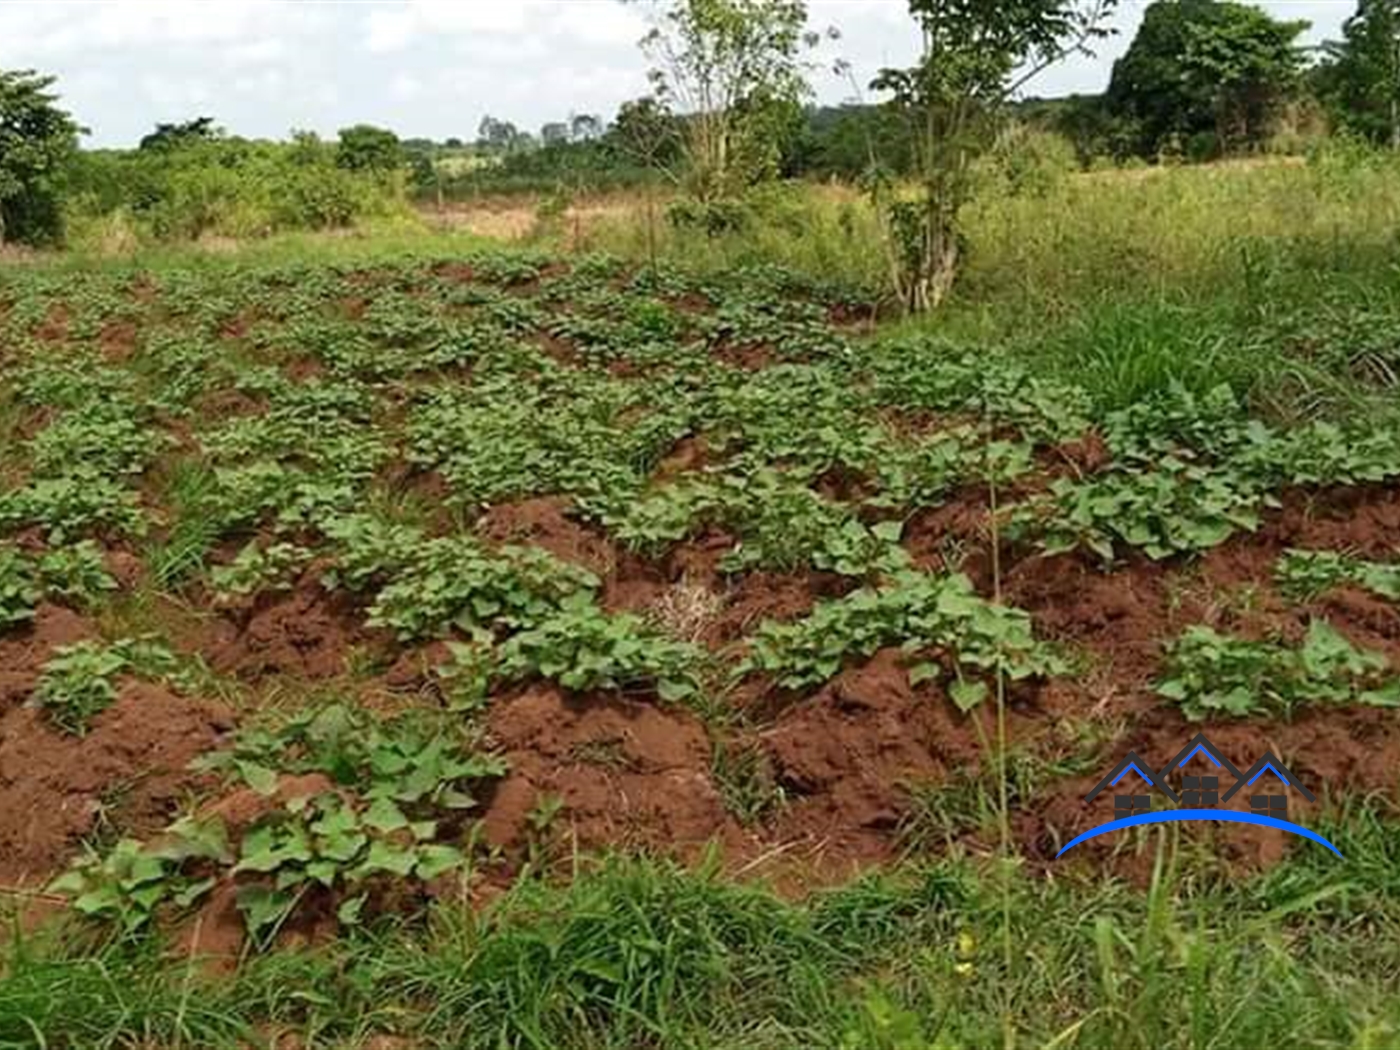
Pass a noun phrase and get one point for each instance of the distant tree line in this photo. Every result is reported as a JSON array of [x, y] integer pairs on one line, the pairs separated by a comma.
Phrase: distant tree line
[[730, 107]]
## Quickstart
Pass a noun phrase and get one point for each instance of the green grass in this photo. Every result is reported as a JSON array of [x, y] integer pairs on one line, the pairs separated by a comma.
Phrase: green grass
[[374, 239], [636, 954], [1273, 277]]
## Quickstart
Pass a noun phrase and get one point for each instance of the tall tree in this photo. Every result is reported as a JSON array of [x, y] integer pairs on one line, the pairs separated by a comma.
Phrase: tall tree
[[584, 127], [733, 70], [168, 137], [498, 136], [36, 139], [1205, 67], [976, 55], [644, 131], [1359, 77], [367, 148]]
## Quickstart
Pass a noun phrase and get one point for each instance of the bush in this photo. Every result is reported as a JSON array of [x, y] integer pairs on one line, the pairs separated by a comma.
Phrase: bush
[[231, 188], [713, 217], [1029, 161]]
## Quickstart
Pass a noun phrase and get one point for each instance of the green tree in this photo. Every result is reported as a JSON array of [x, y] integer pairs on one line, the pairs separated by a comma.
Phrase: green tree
[[499, 136], [1205, 69], [307, 149], [177, 136], [584, 127], [650, 136], [976, 55], [645, 132], [734, 71], [1359, 77], [367, 148], [37, 139]]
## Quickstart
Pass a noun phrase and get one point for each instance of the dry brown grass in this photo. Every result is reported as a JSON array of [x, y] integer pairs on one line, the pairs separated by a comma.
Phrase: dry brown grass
[[687, 610]]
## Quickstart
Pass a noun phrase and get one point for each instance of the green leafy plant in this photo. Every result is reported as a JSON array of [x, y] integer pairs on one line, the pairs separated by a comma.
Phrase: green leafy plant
[[74, 574], [79, 681], [394, 785], [108, 439], [258, 567], [1323, 453], [1306, 574], [370, 550], [453, 584], [412, 761], [923, 474], [1178, 507], [20, 587], [583, 648], [781, 524], [934, 618], [130, 883], [786, 527], [72, 506], [328, 843], [1210, 674]]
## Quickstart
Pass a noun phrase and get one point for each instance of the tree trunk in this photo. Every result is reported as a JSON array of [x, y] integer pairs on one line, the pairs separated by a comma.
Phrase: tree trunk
[[1395, 95], [651, 228], [937, 270]]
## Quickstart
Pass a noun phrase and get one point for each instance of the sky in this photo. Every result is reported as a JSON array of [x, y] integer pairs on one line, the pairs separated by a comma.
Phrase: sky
[[428, 68]]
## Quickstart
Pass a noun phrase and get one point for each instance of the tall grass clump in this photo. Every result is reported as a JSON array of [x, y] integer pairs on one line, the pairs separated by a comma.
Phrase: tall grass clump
[[642, 954], [828, 232]]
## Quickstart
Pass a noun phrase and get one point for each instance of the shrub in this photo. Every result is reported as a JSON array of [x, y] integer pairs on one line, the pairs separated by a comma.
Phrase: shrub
[[228, 187]]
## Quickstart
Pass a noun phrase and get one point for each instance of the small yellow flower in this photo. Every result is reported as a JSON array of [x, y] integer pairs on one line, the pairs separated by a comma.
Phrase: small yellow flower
[[967, 945], [965, 969]]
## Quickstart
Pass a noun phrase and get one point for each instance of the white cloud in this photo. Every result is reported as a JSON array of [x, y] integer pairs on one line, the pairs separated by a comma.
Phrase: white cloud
[[422, 67], [390, 30], [263, 52], [266, 83], [178, 95], [398, 26], [64, 28], [405, 87], [595, 22]]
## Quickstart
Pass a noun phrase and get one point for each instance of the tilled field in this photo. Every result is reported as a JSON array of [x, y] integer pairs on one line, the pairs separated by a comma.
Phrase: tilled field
[[325, 591]]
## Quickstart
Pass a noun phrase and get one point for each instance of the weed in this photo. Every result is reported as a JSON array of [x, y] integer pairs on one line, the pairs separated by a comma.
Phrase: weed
[[746, 781]]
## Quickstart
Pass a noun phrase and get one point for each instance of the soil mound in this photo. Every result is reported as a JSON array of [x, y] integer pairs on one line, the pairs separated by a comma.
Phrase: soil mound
[[126, 777], [628, 774]]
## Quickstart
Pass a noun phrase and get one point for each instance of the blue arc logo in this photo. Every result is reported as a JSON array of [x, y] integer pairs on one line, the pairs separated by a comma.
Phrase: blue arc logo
[[1218, 815], [1199, 797]]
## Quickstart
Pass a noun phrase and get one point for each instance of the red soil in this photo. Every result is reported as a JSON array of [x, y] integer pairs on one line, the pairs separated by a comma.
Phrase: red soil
[[117, 340], [847, 756], [632, 772], [23, 653], [128, 773], [306, 634], [54, 327], [629, 773]]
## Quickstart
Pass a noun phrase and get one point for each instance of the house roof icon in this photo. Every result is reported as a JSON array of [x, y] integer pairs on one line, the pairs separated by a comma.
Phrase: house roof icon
[[1265, 763], [1199, 744], [1131, 761]]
